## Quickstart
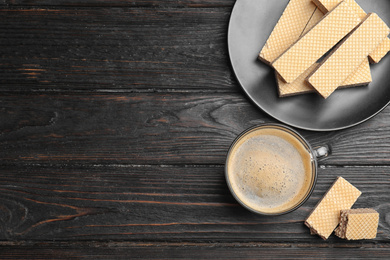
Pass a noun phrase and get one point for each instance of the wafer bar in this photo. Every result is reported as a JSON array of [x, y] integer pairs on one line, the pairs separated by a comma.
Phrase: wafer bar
[[383, 48], [325, 217], [348, 55], [300, 86], [358, 224], [327, 5], [380, 51], [362, 76], [288, 29], [334, 26]]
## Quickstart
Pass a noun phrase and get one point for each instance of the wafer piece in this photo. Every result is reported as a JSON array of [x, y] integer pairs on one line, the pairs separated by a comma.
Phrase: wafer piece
[[325, 217], [316, 42], [358, 224], [288, 29], [298, 86], [361, 77], [327, 5], [383, 48], [380, 51], [348, 55]]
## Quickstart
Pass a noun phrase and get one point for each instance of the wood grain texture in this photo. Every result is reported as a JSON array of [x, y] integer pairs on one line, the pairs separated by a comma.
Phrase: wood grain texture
[[116, 117], [156, 128], [115, 48], [115, 250], [162, 204], [124, 3]]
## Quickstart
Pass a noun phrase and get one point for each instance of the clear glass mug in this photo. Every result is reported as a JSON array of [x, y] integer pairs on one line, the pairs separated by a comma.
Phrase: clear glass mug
[[271, 169]]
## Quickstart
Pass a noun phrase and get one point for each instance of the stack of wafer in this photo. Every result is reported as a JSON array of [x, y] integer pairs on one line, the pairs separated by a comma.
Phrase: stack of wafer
[[322, 45]]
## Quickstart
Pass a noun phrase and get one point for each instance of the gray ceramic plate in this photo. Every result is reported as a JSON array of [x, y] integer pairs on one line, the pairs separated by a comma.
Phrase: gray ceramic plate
[[251, 23]]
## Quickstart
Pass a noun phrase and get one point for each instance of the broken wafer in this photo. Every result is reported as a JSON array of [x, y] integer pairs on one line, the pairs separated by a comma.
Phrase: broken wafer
[[288, 29], [334, 26], [358, 224], [382, 49], [325, 216], [348, 55]]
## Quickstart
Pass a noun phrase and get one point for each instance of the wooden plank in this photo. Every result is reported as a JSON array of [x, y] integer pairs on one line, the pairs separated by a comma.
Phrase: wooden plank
[[147, 128], [115, 48], [62, 128], [161, 204], [133, 128], [124, 3], [118, 250]]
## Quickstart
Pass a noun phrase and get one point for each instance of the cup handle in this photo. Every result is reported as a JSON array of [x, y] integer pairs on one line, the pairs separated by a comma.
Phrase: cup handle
[[321, 151]]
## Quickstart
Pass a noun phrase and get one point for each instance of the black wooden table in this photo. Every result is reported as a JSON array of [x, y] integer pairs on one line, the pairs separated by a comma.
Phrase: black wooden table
[[116, 117]]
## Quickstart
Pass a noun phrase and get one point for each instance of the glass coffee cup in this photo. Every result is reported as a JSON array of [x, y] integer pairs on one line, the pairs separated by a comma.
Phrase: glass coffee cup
[[271, 169]]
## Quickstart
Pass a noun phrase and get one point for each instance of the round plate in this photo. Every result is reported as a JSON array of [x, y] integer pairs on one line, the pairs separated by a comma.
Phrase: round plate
[[251, 22]]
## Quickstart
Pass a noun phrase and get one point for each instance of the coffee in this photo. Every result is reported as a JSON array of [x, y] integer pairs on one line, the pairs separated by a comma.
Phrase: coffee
[[270, 169]]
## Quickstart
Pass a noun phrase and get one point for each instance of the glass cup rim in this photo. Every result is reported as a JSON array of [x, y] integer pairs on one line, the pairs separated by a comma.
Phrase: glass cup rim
[[296, 135]]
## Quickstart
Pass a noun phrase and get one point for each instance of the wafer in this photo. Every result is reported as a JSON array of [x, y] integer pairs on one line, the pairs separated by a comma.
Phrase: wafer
[[325, 217], [380, 51], [327, 5], [298, 86], [348, 55], [383, 48], [288, 29], [335, 25], [361, 77], [358, 224]]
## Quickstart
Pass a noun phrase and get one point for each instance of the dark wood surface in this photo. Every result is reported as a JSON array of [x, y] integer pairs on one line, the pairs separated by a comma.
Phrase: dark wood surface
[[116, 117]]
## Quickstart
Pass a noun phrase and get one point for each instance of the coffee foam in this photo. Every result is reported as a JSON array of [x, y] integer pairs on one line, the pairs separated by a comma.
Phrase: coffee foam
[[270, 170]]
